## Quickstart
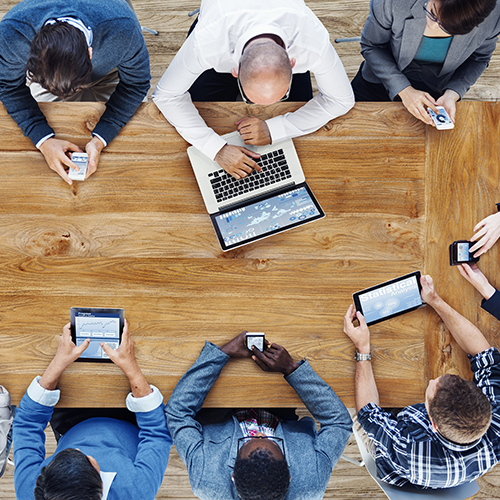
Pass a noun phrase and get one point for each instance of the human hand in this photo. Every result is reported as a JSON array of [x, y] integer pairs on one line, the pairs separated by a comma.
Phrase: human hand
[[237, 348], [93, 149], [488, 232], [237, 161], [274, 358], [66, 353], [449, 102], [124, 355], [417, 102], [428, 292], [254, 131], [477, 279], [124, 358], [360, 335], [54, 151]]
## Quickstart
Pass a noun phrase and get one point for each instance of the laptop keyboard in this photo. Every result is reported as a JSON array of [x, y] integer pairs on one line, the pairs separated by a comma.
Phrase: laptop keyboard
[[274, 169]]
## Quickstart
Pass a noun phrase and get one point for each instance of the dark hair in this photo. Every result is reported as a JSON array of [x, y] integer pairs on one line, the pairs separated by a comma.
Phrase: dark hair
[[70, 476], [459, 17], [59, 59], [261, 477], [460, 410]]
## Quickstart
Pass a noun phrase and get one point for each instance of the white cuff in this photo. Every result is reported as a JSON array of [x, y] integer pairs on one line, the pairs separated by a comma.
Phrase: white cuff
[[146, 403], [4, 397], [100, 138], [43, 139], [214, 145], [277, 129], [42, 396]]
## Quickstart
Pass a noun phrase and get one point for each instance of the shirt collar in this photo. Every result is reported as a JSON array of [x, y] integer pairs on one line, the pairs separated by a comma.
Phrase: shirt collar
[[455, 446], [76, 23], [107, 479]]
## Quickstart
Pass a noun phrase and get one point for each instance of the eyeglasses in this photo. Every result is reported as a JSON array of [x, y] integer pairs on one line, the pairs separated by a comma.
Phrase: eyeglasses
[[246, 100], [244, 440], [434, 18]]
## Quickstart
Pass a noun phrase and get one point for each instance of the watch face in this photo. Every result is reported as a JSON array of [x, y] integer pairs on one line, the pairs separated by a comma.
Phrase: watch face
[[362, 356]]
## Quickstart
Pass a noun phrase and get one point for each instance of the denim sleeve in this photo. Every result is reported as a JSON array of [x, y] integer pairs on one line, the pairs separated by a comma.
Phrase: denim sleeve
[[486, 368], [133, 70], [328, 409], [492, 305], [187, 399]]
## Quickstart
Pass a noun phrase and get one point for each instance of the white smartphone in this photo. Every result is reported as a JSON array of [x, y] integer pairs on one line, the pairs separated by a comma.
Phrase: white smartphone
[[442, 120], [255, 339], [82, 161]]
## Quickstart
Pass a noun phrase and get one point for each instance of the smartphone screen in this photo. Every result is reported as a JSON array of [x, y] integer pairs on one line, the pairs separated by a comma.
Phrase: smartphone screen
[[463, 252], [255, 339]]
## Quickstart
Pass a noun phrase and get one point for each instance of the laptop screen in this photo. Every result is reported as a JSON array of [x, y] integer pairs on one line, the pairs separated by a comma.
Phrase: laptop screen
[[265, 216]]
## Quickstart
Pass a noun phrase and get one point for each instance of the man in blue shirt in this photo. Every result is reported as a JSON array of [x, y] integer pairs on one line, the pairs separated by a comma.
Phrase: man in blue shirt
[[98, 458], [68, 51], [253, 453], [452, 438]]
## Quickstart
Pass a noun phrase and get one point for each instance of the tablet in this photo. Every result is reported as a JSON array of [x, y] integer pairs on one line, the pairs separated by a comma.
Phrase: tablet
[[389, 299], [266, 215], [98, 325]]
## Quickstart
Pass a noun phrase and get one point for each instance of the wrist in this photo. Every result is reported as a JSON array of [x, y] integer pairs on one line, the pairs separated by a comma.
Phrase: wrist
[[97, 143], [487, 291], [291, 368], [363, 348]]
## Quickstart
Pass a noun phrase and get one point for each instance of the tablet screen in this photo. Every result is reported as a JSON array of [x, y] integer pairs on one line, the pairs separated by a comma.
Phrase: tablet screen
[[389, 299], [104, 325], [266, 216]]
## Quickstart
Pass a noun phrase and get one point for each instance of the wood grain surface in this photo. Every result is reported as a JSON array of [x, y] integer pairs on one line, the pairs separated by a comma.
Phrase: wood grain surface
[[137, 235]]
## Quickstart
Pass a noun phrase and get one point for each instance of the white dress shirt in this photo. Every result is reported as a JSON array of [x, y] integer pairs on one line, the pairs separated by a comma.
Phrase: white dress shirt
[[223, 29]]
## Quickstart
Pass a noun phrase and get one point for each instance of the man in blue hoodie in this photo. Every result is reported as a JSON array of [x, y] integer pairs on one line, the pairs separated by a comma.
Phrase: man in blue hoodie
[[98, 458], [80, 50]]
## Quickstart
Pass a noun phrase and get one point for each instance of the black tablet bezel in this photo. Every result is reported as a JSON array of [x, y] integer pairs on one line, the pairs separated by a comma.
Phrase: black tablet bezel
[[357, 303], [93, 310], [258, 199]]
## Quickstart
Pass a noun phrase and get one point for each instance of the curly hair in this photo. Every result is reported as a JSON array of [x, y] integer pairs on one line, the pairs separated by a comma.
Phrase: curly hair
[[59, 59], [70, 476], [459, 409], [261, 477]]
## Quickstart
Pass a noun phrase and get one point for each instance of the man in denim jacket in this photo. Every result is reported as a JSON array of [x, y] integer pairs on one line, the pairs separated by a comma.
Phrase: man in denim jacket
[[252, 453]]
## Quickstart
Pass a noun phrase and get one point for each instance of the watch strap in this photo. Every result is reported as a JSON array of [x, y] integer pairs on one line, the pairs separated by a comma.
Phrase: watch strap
[[362, 356]]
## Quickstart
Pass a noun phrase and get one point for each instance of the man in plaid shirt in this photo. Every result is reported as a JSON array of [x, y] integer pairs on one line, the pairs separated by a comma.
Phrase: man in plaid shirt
[[452, 438]]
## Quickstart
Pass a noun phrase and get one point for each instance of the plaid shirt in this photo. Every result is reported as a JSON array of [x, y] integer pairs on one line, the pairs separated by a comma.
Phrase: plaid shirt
[[408, 450], [254, 421]]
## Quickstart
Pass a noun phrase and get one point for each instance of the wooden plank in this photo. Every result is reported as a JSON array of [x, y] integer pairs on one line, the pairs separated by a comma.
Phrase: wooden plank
[[462, 188]]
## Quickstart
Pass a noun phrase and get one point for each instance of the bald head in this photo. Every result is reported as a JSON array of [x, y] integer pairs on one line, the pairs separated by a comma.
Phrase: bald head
[[265, 72]]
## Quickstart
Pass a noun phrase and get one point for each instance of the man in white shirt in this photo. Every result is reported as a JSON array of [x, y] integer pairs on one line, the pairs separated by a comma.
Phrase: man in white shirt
[[265, 44]]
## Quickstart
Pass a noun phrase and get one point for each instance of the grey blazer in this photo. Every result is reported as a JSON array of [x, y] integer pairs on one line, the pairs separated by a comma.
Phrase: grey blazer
[[209, 451], [391, 38]]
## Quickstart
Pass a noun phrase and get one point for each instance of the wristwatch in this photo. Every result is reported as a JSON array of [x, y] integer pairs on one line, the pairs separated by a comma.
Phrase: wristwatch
[[362, 356]]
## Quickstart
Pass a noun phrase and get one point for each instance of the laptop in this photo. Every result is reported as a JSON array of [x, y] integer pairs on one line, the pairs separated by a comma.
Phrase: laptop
[[263, 203]]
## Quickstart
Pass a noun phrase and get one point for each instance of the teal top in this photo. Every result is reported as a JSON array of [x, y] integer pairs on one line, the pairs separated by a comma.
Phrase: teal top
[[433, 50]]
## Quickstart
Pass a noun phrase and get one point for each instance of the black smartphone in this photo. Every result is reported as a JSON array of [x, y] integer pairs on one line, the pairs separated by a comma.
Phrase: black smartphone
[[256, 339], [459, 253]]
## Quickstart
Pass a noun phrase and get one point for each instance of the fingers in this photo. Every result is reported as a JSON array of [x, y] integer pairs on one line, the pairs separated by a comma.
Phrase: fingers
[[81, 348], [361, 319], [260, 359], [67, 329], [430, 103], [462, 269], [109, 352]]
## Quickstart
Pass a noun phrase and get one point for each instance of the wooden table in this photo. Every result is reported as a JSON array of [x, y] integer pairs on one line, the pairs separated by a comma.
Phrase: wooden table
[[137, 235]]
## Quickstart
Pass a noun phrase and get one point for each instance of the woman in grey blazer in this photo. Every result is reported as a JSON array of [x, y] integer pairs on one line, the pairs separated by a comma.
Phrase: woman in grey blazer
[[427, 53]]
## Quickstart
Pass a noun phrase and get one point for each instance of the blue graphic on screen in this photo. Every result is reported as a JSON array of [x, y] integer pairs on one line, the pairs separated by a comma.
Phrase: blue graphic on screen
[[98, 327], [390, 299], [256, 219]]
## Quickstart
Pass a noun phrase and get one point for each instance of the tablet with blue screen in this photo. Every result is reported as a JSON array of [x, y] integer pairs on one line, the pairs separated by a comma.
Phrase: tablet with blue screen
[[98, 325], [389, 299]]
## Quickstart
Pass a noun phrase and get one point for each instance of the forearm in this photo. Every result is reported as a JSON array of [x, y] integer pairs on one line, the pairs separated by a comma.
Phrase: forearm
[[468, 337], [365, 388], [138, 383], [51, 376]]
